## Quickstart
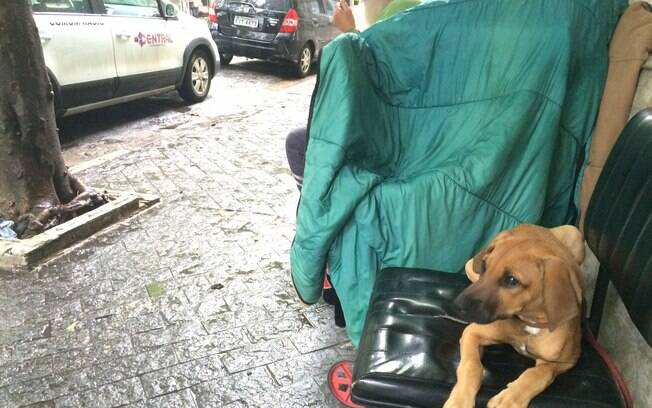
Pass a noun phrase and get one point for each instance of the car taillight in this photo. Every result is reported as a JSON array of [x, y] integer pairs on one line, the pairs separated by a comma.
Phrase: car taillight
[[212, 16], [290, 22]]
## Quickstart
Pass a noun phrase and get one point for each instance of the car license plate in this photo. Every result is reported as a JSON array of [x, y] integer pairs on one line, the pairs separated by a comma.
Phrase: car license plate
[[245, 21]]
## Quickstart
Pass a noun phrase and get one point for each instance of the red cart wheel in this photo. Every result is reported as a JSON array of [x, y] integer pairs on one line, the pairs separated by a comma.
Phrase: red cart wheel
[[339, 380]]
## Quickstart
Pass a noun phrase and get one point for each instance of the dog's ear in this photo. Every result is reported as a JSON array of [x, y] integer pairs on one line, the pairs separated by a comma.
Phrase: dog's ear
[[470, 273], [562, 291], [572, 239], [475, 266]]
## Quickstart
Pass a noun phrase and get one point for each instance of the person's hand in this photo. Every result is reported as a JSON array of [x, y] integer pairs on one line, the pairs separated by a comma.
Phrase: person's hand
[[343, 17]]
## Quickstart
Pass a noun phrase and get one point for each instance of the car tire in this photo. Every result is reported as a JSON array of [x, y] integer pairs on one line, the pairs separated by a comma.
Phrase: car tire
[[197, 79], [304, 61], [225, 59]]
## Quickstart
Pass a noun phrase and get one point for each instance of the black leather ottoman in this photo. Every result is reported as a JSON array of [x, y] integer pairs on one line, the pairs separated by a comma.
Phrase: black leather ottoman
[[407, 355]]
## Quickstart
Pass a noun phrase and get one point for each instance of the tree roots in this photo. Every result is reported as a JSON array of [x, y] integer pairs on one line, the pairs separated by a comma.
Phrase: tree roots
[[47, 217]]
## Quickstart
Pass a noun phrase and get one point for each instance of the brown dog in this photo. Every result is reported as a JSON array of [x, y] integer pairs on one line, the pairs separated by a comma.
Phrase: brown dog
[[526, 292]]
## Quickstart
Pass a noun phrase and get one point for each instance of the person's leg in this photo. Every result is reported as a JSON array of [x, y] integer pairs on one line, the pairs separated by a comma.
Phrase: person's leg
[[331, 298], [295, 149], [296, 144]]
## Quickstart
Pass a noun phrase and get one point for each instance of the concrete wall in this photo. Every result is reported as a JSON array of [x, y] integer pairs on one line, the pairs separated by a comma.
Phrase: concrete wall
[[184, 5], [643, 97]]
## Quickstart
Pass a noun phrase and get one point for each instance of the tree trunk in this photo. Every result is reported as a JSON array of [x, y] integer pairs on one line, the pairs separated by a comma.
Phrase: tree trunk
[[34, 180]]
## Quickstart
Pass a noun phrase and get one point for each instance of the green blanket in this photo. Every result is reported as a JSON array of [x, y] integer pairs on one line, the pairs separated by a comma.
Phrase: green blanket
[[437, 128]]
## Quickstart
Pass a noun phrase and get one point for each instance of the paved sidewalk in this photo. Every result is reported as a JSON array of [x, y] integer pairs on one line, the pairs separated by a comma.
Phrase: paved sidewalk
[[188, 304]]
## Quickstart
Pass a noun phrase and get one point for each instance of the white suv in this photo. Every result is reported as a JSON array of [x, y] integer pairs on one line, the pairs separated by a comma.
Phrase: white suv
[[103, 52]]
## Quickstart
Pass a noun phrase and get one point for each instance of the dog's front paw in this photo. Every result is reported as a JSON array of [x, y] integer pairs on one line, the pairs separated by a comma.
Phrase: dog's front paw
[[507, 399], [459, 400]]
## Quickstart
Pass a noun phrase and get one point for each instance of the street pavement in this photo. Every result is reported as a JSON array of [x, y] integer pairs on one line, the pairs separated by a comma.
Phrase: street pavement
[[188, 304]]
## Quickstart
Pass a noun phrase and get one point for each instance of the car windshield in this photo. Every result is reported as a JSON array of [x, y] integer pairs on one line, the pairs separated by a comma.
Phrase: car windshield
[[271, 4], [140, 3], [63, 6], [132, 8]]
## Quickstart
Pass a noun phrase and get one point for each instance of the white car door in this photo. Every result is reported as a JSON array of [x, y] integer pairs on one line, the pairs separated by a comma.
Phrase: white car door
[[78, 50], [146, 46]]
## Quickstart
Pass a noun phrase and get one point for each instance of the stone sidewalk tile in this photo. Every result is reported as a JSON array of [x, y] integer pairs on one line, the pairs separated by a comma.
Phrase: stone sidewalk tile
[[346, 351], [25, 370], [321, 334], [174, 333], [86, 371], [244, 316], [115, 394], [256, 388], [98, 348], [312, 365], [181, 399], [278, 327], [258, 354], [38, 390], [178, 377], [245, 386], [301, 394], [42, 404], [218, 343]]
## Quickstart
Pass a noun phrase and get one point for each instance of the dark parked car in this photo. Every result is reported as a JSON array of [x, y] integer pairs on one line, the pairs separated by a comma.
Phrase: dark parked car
[[288, 30]]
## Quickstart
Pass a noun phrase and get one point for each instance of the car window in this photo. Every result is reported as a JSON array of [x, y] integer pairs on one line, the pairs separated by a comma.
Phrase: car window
[[61, 6], [275, 5], [132, 8], [314, 7], [320, 7], [330, 7]]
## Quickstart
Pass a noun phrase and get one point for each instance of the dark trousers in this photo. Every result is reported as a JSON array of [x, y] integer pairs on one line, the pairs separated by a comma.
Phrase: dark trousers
[[296, 144]]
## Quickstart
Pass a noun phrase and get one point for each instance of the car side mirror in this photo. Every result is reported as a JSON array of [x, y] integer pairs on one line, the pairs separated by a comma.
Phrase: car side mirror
[[170, 10]]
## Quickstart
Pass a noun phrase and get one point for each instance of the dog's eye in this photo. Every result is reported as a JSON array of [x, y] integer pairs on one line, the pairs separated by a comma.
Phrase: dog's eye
[[509, 281]]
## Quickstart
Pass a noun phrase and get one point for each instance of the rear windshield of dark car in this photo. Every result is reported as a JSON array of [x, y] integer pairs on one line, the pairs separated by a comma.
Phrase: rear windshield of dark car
[[278, 5]]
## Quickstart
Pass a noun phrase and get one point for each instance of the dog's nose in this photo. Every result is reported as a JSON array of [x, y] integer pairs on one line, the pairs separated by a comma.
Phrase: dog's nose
[[463, 305], [473, 309]]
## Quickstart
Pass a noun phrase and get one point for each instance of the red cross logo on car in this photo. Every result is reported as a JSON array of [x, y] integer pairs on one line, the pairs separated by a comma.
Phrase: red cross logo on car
[[140, 39]]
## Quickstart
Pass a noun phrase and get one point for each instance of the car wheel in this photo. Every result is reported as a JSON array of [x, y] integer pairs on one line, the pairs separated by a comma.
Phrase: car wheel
[[197, 79], [225, 59], [304, 61]]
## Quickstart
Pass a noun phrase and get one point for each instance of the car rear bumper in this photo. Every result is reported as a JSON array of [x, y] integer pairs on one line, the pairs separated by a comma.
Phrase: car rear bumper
[[283, 47]]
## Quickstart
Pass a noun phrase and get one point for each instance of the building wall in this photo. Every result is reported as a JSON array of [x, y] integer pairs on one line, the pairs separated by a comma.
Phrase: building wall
[[182, 5]]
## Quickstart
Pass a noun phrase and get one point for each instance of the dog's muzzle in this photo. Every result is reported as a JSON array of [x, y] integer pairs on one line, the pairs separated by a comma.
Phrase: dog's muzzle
[[473, 309]]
